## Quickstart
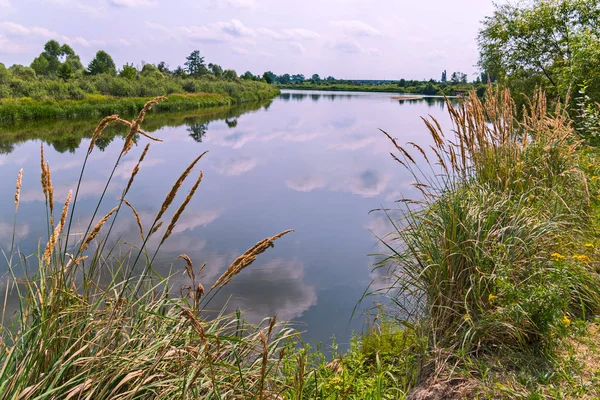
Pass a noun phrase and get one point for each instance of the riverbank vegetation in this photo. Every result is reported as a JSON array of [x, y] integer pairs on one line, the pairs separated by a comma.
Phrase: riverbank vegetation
[[56, 85], [457, 84]]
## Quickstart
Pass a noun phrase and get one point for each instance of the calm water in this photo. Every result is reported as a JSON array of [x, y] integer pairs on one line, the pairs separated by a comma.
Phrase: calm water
[[314, 162]]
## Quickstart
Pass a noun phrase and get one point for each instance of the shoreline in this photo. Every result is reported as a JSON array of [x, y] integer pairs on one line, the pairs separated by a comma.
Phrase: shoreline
[[13, 111]]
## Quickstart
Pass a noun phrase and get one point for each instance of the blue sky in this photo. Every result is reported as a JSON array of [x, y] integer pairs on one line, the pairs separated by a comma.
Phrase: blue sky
[[354, 39]]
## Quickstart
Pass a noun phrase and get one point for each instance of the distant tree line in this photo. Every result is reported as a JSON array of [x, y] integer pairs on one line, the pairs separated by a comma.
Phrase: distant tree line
[[458, 82], [58, 73]]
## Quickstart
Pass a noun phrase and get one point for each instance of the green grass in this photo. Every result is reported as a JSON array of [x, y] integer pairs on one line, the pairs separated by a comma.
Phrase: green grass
[[93, 106]]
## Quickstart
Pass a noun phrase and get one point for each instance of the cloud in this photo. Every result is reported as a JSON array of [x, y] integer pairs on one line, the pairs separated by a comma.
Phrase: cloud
[[297, 47], [6, 230], [131, 3], [356, 28], [239, 3], [306, 184], [234, 28], [9, 47], [288, 296], [347, 46], [351, 46], [239, 50], [300, 33], [124, 170], [14, 29], [194, 220], [353, 143], [236, 167]]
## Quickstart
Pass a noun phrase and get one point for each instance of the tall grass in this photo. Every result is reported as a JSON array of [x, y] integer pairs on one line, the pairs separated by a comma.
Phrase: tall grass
[[97, 325], [491, 256]]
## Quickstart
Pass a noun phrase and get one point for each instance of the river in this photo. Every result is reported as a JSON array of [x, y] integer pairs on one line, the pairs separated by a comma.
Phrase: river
[[314, 162]]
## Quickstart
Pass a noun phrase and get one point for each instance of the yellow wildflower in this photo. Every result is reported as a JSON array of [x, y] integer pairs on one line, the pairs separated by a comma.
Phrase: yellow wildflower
[[566, 320], [589, 246], [467, 317], [582, 259], [491, 297], [591, 165], [557, 257]]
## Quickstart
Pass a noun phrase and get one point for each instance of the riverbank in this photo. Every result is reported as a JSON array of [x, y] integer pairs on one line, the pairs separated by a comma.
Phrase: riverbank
[[424, 88], [94, 106]]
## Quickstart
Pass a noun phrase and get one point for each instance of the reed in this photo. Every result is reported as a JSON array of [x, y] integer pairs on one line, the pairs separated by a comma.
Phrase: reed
[[79, 335], [470, 262]]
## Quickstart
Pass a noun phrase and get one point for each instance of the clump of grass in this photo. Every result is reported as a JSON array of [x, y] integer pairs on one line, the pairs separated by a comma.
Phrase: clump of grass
[[483, 262], [90, 325]]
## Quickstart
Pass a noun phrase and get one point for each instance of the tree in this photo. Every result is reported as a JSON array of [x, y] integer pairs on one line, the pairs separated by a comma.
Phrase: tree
[[102, 64], [230, 75], [543, 42], [249, 76], [163, 67], [22, 72], [128, 72], [40, 65], [194, 65], [330, 79], [298, 78], [197, 131], [315, 78], [444, 77], [284, 79], [65, 72], [269, 77], [216, 70]]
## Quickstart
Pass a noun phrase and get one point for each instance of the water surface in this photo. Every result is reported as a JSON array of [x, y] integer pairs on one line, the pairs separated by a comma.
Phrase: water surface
[[314, 162]]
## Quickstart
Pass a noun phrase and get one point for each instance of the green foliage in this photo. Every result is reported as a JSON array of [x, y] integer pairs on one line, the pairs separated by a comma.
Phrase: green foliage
[[549, 43], [493, 261], [102, 64], [128, 72], [21, 72]]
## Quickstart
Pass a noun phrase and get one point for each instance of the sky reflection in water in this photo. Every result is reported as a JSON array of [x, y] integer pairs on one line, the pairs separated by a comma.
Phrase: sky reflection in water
[[308, 161]]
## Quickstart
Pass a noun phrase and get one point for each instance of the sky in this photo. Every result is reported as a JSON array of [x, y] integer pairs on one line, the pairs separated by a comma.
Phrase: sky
[[349, 39]]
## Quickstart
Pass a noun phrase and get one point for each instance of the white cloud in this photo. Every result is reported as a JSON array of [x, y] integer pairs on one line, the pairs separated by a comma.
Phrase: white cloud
[[131, 3], [271, 33], [299, 33], [9, 47], [353, 143], [124, 170], [356, 28], [195, 220], [346, 45], [239, 3], [234, 28], [297, 47], [306, 184], [236, 167], [14, 29], [239, 50]]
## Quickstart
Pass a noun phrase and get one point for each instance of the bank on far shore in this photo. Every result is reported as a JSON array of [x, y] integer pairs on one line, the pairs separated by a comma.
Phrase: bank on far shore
[[93, 105]]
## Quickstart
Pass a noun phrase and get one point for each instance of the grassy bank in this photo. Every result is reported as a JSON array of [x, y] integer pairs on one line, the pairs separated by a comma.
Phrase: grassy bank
[[13, 110], [494, 286], [67, 135]]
